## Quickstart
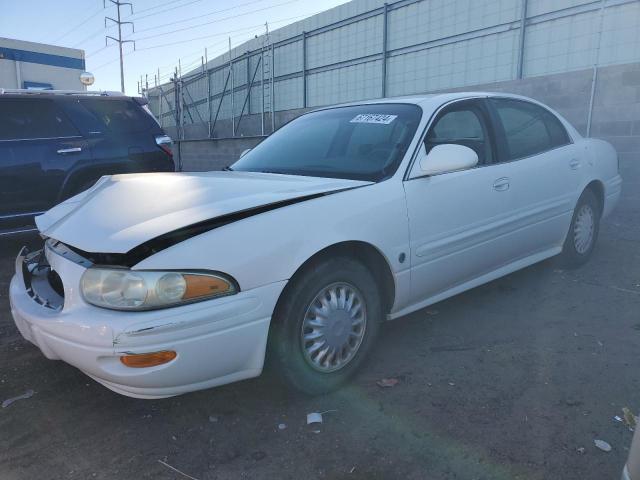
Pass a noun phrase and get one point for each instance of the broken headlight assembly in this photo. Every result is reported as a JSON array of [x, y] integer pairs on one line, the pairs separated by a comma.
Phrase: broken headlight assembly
[[121, 289]]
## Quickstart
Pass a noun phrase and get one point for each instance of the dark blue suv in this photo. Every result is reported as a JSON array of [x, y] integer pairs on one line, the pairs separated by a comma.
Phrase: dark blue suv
[[54, 145]]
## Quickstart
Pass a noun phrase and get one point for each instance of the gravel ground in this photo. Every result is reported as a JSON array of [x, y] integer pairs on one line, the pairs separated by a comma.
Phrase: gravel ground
[[509, 380]]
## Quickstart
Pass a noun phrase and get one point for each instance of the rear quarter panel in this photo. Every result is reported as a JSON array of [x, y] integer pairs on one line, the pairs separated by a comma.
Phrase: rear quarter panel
[[602, 157], [600, 161]]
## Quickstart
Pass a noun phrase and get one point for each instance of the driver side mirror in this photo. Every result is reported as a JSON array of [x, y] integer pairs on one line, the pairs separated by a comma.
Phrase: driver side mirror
[[448, 157], [244, 152]]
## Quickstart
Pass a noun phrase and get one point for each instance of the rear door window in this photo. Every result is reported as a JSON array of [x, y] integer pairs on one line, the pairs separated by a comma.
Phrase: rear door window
[[529, 129], [118, 115], [33, 118]]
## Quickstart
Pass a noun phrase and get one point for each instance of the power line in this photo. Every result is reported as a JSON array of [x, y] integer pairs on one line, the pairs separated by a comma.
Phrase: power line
[[200, 38], [109, 62], [214, 21], [200, 16], [169, 75], [78, 25], [196, 26], [186, 28], [163, 11], [220, 34], [97, 32], [135, 18], [119, 40]]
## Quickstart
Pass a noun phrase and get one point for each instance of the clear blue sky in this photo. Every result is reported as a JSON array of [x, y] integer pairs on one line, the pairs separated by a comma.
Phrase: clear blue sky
[[165, 30]]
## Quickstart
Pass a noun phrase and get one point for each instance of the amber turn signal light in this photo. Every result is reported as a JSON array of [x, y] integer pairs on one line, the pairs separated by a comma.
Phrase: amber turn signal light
[[199, 286], [144, 360]]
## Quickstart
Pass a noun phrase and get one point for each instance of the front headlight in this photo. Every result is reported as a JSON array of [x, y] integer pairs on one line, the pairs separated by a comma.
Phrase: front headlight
[[122, 289]]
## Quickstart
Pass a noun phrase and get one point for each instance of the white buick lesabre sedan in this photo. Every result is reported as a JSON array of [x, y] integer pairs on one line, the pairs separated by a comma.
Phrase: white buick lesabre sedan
[[159, 284]]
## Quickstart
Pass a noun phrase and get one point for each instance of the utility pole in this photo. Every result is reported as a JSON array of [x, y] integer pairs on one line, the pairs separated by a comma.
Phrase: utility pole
[[119, 40]]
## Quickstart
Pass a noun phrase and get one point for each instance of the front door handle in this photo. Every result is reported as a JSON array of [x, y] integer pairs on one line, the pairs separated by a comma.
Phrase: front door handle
[[62, 151], [501, 184], [574, 163]]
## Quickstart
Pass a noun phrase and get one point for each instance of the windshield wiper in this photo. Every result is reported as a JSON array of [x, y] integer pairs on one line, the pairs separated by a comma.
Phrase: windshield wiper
[[227, 169]]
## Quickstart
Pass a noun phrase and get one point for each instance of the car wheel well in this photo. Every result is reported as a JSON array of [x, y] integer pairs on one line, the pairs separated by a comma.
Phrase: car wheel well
[[597, 188], [365, 253]]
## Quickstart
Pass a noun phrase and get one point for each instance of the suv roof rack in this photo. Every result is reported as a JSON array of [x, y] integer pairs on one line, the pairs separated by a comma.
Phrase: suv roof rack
[[25, 91]]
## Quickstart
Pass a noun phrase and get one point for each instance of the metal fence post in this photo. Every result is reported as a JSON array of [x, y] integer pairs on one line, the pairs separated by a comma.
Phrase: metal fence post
[[159, 85], [176, 101], [304, 69], [160, 117], [384, 48], [177, 108], [233, 86], [596, 61], [273, 92], [248, 89], [262, 89], [523, 27], [208, 79]]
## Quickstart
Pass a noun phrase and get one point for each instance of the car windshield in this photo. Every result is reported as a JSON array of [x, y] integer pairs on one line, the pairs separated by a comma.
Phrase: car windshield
[[364, 142]]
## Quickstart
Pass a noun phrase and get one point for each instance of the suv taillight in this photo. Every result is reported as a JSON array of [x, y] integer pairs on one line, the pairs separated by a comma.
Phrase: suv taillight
[[165, 143]]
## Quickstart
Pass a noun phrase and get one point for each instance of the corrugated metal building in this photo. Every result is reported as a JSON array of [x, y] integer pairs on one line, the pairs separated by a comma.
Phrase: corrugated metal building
[[37, 65]]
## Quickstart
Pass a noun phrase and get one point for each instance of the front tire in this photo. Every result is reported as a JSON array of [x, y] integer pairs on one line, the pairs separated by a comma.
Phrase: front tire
[[325, 325], [583, 232]]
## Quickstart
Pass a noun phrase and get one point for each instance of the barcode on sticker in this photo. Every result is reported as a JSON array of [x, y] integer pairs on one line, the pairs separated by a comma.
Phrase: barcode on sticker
[[373, 118]]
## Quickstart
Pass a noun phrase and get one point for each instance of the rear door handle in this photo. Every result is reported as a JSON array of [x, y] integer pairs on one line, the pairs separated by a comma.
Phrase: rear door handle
[[574, 163], [501, 184], [62, 151]]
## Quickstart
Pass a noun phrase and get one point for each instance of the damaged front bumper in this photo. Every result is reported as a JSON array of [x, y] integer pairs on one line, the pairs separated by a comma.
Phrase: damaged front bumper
[[217, 341]]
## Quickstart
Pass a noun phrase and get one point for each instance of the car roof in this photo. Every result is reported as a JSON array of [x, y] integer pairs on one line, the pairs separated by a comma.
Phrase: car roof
[[21, 93], [432, 102], [440, 98]]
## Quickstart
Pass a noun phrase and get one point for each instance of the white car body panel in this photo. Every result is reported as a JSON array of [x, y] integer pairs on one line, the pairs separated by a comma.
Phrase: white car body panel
[[439, 235], [294, 234], [218, 341], [454, 239], [123, 211]]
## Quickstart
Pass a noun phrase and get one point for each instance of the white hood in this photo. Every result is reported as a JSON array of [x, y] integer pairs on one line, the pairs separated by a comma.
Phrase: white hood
[[122, 211]]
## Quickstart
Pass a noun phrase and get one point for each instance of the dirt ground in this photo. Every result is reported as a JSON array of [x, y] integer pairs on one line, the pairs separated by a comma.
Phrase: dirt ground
[[508, 381]]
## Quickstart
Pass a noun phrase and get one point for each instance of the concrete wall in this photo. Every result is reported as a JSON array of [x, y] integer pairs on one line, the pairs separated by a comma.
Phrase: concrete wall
[[198, 154], [202, 155], [616, 112], [250, 125]]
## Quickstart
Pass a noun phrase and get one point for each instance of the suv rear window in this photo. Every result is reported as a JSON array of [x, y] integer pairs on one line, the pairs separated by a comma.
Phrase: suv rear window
[[31, 118], [119, 116]]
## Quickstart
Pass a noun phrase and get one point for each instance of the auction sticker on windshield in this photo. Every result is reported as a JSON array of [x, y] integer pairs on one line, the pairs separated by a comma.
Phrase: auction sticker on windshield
[[374, 118]]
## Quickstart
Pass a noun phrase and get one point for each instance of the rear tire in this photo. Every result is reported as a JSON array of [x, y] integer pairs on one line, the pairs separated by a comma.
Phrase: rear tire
[[583, 232], [325, 325]]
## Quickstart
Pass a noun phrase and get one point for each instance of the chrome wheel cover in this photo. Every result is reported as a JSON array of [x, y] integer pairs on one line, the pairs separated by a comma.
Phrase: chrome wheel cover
[[333, 327], [583, 229]]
